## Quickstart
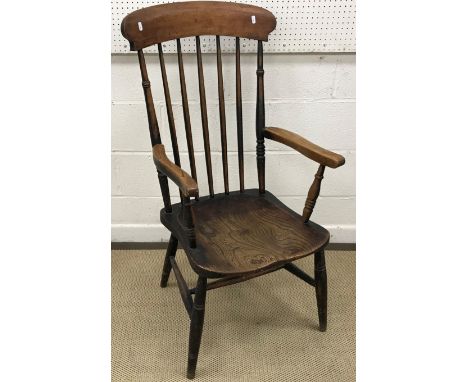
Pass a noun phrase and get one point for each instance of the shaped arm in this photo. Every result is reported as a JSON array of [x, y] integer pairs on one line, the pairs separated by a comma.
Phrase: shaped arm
[[305, 147], [312, 151], [187, 185]]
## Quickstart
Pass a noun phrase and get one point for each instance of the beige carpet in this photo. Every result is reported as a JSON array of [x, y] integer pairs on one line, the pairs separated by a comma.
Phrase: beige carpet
[[265, 329]]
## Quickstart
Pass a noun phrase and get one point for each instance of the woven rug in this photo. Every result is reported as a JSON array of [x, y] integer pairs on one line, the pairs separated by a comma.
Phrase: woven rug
[[265, 329]]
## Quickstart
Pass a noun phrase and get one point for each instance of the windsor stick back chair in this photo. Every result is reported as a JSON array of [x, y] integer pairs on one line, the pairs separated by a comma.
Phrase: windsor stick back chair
[[230, 236]]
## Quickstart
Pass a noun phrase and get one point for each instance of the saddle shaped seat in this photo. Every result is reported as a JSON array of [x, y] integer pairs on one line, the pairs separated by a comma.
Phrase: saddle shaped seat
[[232, 236], [254, 233]]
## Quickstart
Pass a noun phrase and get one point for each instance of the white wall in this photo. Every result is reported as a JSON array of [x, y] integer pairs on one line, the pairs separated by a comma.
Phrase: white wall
[[313, 95]]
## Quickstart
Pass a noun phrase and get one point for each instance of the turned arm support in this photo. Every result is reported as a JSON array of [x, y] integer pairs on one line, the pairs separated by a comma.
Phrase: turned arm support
[[310, 150], [187, 185], [313, 194], [305, 147]]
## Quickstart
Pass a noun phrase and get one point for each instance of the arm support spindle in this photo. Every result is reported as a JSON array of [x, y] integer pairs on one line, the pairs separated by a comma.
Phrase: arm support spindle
[[313, 194], [312, 151], [187, 185]]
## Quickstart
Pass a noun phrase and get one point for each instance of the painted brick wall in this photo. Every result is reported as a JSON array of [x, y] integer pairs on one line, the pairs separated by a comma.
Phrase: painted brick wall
[[313, 95]]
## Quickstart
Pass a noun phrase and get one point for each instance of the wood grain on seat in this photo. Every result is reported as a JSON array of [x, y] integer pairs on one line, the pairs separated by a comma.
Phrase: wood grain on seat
[[232, 236], [253, 232]]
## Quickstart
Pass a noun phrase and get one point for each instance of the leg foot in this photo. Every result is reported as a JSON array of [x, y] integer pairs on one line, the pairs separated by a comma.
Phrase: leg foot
[[196, 326], [171, 251], [320, 273]]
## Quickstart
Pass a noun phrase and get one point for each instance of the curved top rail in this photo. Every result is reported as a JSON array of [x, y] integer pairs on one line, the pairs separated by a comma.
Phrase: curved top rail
[[164, 22]]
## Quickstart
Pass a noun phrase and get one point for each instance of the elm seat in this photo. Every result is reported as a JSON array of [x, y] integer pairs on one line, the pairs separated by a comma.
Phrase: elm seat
[[239, 234], [254, 232]]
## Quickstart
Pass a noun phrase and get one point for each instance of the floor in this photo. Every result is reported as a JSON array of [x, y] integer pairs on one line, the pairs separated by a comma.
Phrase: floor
[[265, 329]]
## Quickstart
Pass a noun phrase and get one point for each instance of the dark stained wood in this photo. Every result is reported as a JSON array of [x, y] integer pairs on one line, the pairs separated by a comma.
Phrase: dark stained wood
[[151, 245], [170, 114], [196, 326], [185, 107], [155, 137], [236, 235], [186, 183], [152, 120], [164, 22], [313, 194], [245, 232], [187, 216], [320, 273], [305, 147], [240, 133], [183, 288], [231, 280], [296, 271], [204, 116], [163, 183], [222, 115], [171, 252], [260, 120]]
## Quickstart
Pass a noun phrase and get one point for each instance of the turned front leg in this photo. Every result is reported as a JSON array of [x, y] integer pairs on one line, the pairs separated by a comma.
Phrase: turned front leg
[[320, 273], [196, 326], [171, 251]]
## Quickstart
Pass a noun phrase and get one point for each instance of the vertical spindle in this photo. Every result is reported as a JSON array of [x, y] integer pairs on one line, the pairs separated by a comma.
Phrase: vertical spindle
[[222, 115], [240, 135], [152, 121], [260, 120], [170, 114], [204, 117], [153, 127], [185, 107]]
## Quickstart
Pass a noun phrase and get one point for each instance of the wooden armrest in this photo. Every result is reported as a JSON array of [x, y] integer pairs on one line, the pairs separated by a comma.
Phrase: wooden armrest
[[187, 185], [305, 147]]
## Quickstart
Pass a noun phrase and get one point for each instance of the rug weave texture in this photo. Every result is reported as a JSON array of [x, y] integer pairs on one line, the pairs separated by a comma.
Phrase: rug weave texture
[[264, 329]]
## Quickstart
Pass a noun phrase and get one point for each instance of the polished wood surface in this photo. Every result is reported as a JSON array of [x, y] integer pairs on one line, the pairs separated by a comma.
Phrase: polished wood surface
[[305, 147], [170, 252], [164, 184], [231, 280], [164, 22], [196, 326], [321, 289], [313, 194], [183, 288], [240, 127], [222, 115], [186, 111], [151, 113], [245, 232], [260, 120], [186, 183], [204, 117], [170, 113], [234, 235], [188, 221]]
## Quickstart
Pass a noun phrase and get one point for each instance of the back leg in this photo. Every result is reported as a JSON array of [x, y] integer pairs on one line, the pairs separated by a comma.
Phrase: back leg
[[171, 251]]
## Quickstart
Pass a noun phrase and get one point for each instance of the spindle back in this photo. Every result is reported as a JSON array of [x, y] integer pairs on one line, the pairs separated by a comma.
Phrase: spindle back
[[161, 23]]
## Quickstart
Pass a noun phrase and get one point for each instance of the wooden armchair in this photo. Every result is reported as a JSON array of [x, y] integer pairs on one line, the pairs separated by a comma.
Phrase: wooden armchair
[[230, 236]]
